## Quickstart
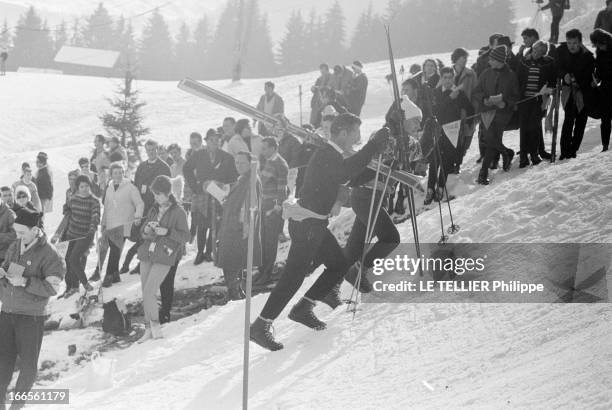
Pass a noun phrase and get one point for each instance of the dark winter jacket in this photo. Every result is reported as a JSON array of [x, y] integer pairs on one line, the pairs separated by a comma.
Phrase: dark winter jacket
[[289, 148], [341, 82], [306, 152], [44, 184], [581, 66], [40, 262], [604, 20], [493, 82], [145, 174], [276, 104], [326, 171], [357, 93], [199, 168], [233, 245], [432, 81], [7, 233], [172, 244], [448, 109], [547, 75]]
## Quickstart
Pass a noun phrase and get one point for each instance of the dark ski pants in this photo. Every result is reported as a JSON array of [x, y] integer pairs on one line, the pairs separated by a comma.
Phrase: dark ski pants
[[573, 128], [20, 335], [494, 146], [482, 144], [384, 229], [76, 259], [606, 128], [310, 240], [554, 27], [114, 255], [203, 231], [530, 114], [270, 230], [130, 254], [167, 290]]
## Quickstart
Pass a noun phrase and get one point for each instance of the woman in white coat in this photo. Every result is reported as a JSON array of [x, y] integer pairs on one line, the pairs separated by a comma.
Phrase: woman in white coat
[[123, 207]]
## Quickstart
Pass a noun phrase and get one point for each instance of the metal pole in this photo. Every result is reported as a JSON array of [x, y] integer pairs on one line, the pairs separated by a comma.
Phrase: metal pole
[[249, 285]]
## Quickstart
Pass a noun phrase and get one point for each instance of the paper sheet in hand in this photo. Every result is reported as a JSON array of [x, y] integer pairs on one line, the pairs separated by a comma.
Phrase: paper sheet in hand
[[15, 270], [218, 193]]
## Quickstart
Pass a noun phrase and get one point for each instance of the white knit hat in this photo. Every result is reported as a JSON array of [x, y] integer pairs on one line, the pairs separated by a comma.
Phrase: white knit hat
[[24, 189]]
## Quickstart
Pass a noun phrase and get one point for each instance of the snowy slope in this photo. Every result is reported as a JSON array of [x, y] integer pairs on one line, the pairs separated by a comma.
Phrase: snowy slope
[[391, 355]]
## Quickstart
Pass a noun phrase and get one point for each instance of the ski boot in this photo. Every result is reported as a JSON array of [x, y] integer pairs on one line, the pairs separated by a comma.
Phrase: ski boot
[[351, 276], [429, 197], [535, 159], [332, 299], [261, 334], [507, 160], [302, 313]]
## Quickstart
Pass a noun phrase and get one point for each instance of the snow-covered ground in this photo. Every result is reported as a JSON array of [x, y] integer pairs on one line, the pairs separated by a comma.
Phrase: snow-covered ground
[[391, 355]]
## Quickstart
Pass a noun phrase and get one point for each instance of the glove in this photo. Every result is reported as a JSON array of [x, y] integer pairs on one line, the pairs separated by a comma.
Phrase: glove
[[381, 138]]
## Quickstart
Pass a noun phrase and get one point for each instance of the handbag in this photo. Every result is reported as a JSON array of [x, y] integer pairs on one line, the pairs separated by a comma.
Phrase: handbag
[[163, 251]]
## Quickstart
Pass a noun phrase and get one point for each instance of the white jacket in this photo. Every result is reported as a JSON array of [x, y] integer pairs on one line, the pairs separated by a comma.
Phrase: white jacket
[[237, 144], [122, 207]]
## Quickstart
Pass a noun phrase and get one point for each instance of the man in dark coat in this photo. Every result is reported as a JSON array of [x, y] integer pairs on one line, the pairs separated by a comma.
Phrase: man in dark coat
[[604, 18], [575, 67], [602, 80], [358, 89], [324, 80], [497, 93], [205, 166], [310, 236], [449, 104], [534, 72], [44, 183]]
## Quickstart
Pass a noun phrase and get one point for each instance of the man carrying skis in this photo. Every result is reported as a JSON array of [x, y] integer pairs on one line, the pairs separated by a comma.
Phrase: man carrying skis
[[497, 93], [310, 237]]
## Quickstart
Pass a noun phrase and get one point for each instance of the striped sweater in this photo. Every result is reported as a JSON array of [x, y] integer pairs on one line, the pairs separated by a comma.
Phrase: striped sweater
[[83, 216]]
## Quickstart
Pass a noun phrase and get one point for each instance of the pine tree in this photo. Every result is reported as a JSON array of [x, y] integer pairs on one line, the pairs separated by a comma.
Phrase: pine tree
[[259, 58], [185, 52], [292, 46], [76, 39], [33, 46], [155, 53], [312, 55], [125, 119], [5, 35], [60, 36], [201, 38], [98, 30], [222, 48], [334, 30]]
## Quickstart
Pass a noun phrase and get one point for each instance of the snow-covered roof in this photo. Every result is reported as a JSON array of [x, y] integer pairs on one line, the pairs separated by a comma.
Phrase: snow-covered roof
[[87, 56]]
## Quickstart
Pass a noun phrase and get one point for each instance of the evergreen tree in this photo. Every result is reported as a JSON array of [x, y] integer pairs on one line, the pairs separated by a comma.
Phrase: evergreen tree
[[312, 55], [259, 57], [125, 119], [5, 35], [334, 30], [201, 39], [185, 52], [293, 46], [98, 30], [368, 37], [223, 46], [155, 54], [126, 44], [33, 46], [60, 36], [76, 39]]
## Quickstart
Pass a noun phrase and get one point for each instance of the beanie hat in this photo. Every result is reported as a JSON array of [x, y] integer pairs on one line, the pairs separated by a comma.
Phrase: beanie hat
[[410, 109], [27, 217], [357, 63], [162, 185], [23, 189], [499, 53]]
